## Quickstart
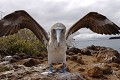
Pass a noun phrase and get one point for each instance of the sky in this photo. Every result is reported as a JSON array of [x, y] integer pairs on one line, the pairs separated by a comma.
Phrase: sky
[[49, 12]]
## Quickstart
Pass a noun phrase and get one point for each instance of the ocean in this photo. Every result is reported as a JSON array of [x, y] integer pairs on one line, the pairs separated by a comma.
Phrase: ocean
[[113, 43]]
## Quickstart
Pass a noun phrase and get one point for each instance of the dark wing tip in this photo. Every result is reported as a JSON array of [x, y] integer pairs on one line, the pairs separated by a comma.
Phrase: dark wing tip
[[15, 14], [20, 11], [96, 15], [93, 13]]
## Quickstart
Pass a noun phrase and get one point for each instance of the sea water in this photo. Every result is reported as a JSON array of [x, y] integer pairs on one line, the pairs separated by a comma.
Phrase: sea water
[[113, 43]]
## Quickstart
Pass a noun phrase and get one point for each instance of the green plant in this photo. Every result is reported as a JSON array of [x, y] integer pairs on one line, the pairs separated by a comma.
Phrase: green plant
[[22, 42]]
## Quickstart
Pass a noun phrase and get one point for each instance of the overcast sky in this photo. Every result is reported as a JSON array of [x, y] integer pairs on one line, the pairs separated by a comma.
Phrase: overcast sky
[[48, 12]]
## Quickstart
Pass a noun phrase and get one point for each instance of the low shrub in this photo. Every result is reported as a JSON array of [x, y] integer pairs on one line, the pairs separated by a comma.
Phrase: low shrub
[[22, 42]]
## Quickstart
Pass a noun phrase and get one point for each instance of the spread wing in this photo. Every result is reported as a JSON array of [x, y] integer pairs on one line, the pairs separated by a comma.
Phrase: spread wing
[[95, 22], [20, 19]]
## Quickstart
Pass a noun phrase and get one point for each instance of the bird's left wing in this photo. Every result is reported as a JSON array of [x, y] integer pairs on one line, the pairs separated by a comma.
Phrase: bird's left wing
[[20, 19], [97, 23]]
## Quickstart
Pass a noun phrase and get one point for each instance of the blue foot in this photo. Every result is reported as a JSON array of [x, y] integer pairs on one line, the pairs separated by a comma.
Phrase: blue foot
[[51, 69], [63, 68]]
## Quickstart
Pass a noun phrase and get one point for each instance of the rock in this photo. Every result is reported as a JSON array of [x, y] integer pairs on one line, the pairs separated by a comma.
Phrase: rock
[[79, 54], [26, 56], [7, 58], [13, 60], [23, 55], [74, 50], [30, 62], [101, 48], [70, 76], [73, 57], [103, 69], [96, 48], [0, 58], [61, 76], [117, 74], [108, 56], [4, 63], [81, 69], [16, 56], [86, 52], [70, 53], [67, 69], [79, 60], [3, 69], [115, 65], [67, 57], [92, 47], [95, 72], [107, 69], [20, 72]]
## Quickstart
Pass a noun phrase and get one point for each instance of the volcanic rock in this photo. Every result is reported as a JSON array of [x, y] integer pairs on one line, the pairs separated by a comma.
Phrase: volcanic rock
[[67, 57], [81, 69], [3, 68], [79, 54], [108, 56], [95, 72], [7, 58], [13, 60], [74, 50], [70, 53], [86, 52], [115, 65], [92, 47], [30, 62], [117, 74], [16, 56], [100, 63], [107, 69], [73, 57], [79, 60]]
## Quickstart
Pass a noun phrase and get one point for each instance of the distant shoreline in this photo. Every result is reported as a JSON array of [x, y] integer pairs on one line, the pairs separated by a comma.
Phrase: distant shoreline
[[114, 37]]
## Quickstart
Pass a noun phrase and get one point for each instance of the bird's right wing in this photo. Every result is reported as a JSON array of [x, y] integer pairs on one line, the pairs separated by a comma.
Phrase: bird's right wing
[[96, 22], [20, 19]]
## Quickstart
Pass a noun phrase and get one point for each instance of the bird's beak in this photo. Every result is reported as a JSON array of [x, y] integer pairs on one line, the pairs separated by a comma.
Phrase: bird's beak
[[58, 33]]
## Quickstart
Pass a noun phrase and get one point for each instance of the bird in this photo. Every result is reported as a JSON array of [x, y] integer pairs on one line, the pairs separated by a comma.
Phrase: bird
[[56, 41]]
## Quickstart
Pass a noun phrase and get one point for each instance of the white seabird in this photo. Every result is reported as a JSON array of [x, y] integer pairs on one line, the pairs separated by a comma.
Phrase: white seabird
[[56, 44]]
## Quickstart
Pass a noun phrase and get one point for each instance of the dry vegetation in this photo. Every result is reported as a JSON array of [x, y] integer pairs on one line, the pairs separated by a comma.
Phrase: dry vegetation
[[22, 42]]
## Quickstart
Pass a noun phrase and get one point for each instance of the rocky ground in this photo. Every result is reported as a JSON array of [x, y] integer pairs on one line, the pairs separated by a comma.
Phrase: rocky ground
[[91, 63]]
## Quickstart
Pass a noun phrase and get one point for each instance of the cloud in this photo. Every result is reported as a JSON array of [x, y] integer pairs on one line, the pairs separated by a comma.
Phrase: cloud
[[48, 12], [86, 34]]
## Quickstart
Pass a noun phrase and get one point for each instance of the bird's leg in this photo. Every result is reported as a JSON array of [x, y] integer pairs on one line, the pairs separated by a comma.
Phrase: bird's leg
[[63, 68], [51, 68]]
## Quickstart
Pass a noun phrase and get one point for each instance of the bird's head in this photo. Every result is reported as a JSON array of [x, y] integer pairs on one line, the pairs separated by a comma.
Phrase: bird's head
[[58, 31]]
